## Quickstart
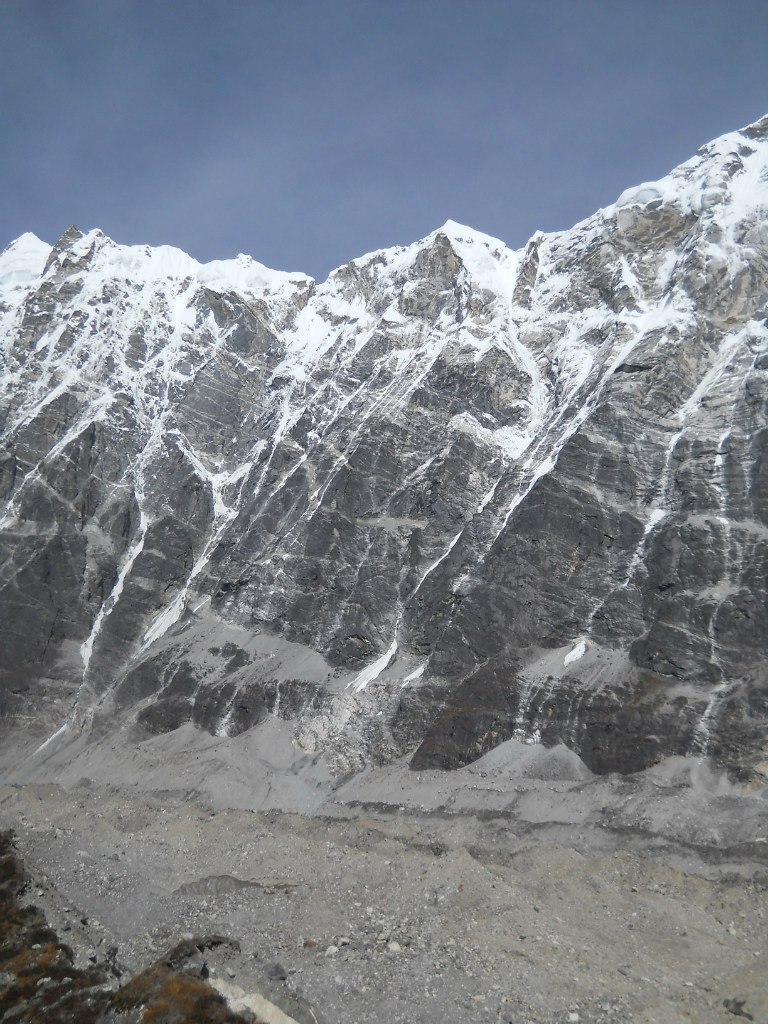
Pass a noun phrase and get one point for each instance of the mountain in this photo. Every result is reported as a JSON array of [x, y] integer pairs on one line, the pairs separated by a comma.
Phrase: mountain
[[453, 495]]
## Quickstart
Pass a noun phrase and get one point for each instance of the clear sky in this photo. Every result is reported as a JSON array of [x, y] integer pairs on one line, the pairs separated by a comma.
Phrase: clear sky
[[308, 132]]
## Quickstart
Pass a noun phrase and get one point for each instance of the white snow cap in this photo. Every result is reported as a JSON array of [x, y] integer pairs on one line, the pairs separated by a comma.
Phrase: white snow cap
[[23, 261], [146, 264], [732, 169]]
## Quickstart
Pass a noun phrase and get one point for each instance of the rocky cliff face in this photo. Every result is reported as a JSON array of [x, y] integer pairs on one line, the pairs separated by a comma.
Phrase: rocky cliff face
[[452, 495]]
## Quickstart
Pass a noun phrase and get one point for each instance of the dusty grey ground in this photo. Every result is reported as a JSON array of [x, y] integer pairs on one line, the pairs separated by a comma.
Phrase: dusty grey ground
[[519, 889]]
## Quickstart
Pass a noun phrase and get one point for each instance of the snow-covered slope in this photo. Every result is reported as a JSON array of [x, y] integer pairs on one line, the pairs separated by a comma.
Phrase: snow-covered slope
[[497, 493]]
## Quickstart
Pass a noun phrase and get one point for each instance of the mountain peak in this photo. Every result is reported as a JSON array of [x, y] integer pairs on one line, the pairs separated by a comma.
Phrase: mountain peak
[[525, 487], [23, 261]]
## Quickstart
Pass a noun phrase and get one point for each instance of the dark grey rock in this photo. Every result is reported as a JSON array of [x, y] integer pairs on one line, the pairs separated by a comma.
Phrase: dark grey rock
[[530, 489]]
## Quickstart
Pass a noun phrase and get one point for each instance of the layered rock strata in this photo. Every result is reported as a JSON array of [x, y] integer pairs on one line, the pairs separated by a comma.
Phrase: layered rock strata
[[451, 495]]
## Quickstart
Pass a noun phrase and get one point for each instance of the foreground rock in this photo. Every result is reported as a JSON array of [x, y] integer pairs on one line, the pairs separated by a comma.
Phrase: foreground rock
[[40, 983]]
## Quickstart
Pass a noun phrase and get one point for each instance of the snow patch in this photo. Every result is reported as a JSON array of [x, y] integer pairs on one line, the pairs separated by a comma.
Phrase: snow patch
[[22, 262], [575, 653], [145, 264], [373, 671], [54, 736], [413, 676], [640, 195]]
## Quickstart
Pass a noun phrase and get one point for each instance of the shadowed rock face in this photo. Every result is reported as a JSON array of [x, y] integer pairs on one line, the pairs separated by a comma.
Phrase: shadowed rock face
[[498, 493]]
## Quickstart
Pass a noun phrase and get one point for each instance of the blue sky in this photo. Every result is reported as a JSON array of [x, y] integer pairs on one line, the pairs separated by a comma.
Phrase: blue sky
[[308, 133]]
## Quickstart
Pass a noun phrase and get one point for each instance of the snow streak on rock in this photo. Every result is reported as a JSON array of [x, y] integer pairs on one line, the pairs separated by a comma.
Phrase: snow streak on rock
[[448, 454]]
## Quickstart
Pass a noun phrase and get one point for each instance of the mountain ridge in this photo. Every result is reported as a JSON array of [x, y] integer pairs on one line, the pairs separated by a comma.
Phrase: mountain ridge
[[500, 494]]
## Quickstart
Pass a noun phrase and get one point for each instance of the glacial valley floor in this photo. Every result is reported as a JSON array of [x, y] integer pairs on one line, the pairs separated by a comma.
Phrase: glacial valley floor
[[380, 912]]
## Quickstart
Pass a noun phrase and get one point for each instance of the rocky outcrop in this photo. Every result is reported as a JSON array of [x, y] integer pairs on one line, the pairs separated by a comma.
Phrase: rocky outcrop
[[482, 493], [39, 980]]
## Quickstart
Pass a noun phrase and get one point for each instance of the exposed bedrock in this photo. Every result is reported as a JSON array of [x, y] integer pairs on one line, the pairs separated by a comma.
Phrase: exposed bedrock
[[460, 493]]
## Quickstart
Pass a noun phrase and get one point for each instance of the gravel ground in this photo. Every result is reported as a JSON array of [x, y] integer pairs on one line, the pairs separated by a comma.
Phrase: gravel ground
[[474, 897]]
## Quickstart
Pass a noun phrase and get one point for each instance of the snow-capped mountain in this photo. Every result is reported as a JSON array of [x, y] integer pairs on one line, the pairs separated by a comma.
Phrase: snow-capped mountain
[[452, 495]]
